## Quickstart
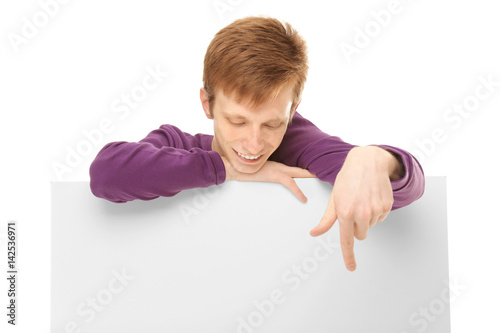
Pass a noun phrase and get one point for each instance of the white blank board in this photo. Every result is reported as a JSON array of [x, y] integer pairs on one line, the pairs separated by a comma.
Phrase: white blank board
[[238, 257]]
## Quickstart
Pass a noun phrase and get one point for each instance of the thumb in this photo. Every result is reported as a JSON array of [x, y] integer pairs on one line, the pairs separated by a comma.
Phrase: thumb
[[328, 219], [292, 186]]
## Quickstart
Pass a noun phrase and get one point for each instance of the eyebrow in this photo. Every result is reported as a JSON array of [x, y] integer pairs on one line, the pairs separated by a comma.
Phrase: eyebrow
[[243, 118]]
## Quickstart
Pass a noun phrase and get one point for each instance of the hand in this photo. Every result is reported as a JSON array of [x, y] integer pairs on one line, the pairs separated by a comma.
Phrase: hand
[[272, 172], [361, 197]]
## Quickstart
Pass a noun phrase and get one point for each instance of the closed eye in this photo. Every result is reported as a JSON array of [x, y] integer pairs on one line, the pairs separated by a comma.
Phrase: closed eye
[[241, 124]]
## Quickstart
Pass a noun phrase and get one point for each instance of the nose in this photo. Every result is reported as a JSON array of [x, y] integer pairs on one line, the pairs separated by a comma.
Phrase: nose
[[254, 142]]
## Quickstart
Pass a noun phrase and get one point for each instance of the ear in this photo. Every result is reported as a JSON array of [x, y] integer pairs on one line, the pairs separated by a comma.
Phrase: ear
[[295, 110], [293, 113], [297, 105], [204, 102]]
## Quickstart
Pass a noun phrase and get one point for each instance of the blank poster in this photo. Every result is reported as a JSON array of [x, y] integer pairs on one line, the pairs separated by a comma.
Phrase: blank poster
[[238, 257]]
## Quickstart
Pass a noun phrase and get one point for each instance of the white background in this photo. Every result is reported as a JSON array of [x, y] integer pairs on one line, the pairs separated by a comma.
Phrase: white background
[[65, 77]]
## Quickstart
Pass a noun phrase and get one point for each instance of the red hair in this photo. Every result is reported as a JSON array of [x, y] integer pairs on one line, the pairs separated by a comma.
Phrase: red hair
[[253, 59]]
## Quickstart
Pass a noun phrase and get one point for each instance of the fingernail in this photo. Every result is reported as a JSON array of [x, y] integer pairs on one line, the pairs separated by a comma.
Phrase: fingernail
[[351, 267]]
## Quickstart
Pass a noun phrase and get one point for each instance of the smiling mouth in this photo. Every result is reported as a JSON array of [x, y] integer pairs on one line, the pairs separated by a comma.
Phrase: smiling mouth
[[248, 158]]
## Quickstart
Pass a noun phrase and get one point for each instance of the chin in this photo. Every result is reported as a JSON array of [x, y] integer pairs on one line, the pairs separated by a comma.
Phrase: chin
[[249, 168]]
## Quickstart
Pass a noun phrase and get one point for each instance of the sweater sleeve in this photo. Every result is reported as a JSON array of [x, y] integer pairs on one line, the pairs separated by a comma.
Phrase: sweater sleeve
[[306, 146], [162, 164]]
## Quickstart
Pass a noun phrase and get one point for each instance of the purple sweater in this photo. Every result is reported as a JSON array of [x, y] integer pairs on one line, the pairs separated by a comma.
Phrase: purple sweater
[[168, 161]]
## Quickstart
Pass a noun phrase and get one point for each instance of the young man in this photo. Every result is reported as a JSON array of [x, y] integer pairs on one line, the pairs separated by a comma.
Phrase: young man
[[254, 74]]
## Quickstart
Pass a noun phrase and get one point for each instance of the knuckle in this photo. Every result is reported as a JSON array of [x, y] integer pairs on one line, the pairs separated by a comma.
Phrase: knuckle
[[287, 181], [360, 231], [387, 204], [365, 214], [379, 211], [360, 236], [346, 212], [347, 242], [383, 206]]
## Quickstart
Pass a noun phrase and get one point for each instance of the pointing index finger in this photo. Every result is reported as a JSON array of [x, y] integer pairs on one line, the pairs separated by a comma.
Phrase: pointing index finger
[[346, 229]]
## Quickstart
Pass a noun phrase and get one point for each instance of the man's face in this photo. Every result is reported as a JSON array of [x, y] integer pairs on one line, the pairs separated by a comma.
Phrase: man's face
[[256, 134]]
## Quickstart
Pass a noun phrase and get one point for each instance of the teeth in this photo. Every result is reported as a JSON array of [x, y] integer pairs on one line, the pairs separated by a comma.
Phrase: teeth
[[249, 157]]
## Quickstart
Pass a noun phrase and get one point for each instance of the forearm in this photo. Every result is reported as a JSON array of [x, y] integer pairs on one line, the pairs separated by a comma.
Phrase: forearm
[[125, 171], [306, 146]]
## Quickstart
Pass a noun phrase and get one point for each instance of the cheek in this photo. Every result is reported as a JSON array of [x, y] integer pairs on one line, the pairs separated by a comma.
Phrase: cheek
[[226, 134], [277, 138]]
